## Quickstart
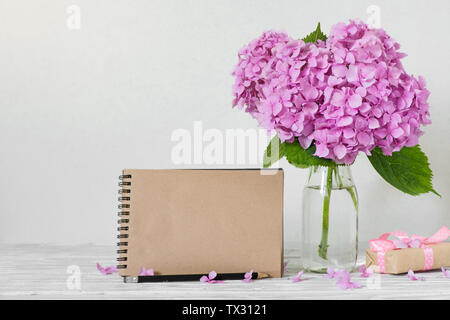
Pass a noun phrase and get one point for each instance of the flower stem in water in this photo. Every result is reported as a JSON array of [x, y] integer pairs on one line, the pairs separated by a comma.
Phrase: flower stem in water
[[323, 246]]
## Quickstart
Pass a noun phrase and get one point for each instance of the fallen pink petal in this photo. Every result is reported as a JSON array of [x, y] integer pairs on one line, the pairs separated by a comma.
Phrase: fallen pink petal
[[210, 278], [412, 276], [344, 281], [331, 273], [107, 270], [212, 275], [146, 272], [248, 276], [345, 284], [285, 266], [365, 273], [298, 277], [446, 273]]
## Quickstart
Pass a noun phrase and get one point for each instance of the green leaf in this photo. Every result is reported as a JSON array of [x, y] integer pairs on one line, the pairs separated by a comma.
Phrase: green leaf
[[407, 170], [269, 158], [304, 158], [295, 155], [315, 35]]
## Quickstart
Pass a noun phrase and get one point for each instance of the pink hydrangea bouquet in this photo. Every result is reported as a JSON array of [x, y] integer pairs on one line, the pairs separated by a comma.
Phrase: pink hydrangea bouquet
[[328, 98]]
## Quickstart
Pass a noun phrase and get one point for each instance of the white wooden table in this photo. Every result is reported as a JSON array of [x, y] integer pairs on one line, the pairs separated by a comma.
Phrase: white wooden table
[[40, 272]]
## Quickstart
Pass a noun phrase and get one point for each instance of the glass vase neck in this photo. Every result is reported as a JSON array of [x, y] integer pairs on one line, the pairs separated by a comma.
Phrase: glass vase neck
[[340, 176]]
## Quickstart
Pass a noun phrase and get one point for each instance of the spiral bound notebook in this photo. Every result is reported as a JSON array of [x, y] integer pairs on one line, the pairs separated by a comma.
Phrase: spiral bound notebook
[[181, 222]]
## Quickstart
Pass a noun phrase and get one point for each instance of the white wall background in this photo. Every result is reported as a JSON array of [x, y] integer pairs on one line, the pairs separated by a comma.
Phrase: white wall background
[[77, 106]]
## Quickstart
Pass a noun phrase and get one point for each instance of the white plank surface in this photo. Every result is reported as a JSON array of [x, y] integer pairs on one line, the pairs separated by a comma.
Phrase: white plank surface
[[40, 272]]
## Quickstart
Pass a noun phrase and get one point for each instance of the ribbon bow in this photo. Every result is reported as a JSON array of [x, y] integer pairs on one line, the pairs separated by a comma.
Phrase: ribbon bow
[[381, 245]]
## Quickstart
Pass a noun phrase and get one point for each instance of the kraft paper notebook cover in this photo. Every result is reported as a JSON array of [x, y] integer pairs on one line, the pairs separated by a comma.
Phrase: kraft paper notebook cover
[[194, 221]]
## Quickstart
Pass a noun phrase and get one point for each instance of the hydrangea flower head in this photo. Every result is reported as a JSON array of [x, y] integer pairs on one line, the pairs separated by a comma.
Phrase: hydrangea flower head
[[346, 95]]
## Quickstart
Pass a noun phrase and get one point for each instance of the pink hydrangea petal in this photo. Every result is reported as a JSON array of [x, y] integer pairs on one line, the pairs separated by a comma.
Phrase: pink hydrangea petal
[[212, 275], [352, 73], [276, 108], [107, 270], [413, 277], [339, 70], [344, 281], [333, 81], [310, 107], [363, 138], [146, 272], [355, 101], [446, 273], [365, 273], [340, 151], [331, 273], [305, 142], [298, 277], [321, 150], [310, 93], [248, 276], [373, 123], [100, 268], [361, 91], [397, 132], [344, 121], [338, 99], [348, 133], [381, 133], [350, 58]]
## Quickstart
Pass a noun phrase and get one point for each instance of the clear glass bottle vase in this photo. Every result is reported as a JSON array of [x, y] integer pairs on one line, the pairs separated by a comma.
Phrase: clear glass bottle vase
[[329, 231]]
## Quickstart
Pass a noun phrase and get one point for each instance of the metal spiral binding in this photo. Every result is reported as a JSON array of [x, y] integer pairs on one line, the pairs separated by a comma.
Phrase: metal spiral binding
[[124, 220]]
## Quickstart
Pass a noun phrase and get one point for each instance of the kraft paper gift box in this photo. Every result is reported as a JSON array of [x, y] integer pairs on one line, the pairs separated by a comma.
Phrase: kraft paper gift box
[[194, 221], [415, 253]]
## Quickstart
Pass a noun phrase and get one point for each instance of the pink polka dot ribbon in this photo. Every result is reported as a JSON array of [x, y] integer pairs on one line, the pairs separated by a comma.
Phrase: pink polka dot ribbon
[[381, 245]]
